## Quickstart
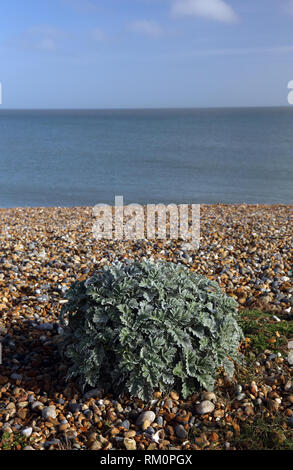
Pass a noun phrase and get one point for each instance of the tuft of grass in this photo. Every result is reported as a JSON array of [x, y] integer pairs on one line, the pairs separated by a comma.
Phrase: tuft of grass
[[264, 332], [13, 441], [265, 434]]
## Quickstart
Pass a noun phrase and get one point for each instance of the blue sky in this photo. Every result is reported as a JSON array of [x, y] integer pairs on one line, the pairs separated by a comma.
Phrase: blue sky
[[145, 53]]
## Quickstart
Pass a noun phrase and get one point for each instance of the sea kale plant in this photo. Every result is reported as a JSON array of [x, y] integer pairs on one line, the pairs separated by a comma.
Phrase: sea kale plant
[[147, 325]]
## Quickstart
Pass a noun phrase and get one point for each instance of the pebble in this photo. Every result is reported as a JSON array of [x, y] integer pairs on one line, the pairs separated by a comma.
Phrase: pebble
[[160, 420], [205, 407], [49, 412], [290, 357], [130, 444], [208, 396], [181, 432], [240, 396], [16, 377], [27, 432], [145, 417], [96, 445], [125, 424], [45, 327], [37, 406]]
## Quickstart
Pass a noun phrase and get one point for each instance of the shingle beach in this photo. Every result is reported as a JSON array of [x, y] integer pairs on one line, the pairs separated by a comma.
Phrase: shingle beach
[[247, 249]]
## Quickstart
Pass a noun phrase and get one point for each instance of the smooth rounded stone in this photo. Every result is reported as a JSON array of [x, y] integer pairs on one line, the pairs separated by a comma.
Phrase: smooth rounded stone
[[28, 448], [130, 444], [119, 408], [130, 434], [145, 425], [240, 396], [150, 430], [96, 445], [290, 357], [125, 424], [49, 412], [209, 396], [74, 407], [238, 389], [192, 421], [160, 420], [174, 395], [71, 435], [53, 442], [43, 298], [94, 393], [288, 386], [148, 416], [27, 432], [290, 345], [181, 432], [15, 376], [45, 327], [205, 407], [37, 406]]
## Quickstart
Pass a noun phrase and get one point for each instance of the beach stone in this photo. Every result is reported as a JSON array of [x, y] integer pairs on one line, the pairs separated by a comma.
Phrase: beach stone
[[96, 445], [181, 432], [145, 425], [208, 396], [290, 344], [94, 393], [205, 407], [37, 406], [27, 432], [49, 412], [240, 396], [146, 416], [290, 357], [16, 376], [130, 444], [125, 424], [28, 448], [160, 420], [130, 434], [174, 396], [74, 407], [45, 326]]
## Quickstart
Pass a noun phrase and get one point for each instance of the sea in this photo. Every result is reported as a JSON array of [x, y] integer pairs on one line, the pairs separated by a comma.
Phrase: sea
[[70, 158]]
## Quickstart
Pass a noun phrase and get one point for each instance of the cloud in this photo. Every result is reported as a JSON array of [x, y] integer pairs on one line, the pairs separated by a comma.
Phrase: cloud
[[146, 27], [47, 44], [39, 38], [217, 10], [241, 51]]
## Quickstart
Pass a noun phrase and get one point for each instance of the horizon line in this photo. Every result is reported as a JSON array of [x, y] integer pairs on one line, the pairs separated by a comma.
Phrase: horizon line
[[154, 108]]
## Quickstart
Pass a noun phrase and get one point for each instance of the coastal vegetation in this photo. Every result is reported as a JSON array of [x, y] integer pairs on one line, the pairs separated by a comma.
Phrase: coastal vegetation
[[140, 326]]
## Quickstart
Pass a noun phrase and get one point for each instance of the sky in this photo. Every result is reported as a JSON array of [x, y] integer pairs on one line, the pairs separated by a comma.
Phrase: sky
[[145, 53]]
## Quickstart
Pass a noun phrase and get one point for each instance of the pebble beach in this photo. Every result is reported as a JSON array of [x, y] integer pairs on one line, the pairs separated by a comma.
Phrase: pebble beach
[[247, 249]]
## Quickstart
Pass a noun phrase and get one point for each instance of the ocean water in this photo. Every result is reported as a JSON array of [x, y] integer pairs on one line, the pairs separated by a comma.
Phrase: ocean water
[[78, 158]]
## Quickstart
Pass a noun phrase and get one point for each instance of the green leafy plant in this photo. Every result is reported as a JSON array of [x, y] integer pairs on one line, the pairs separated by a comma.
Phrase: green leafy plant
[[149, 325]]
